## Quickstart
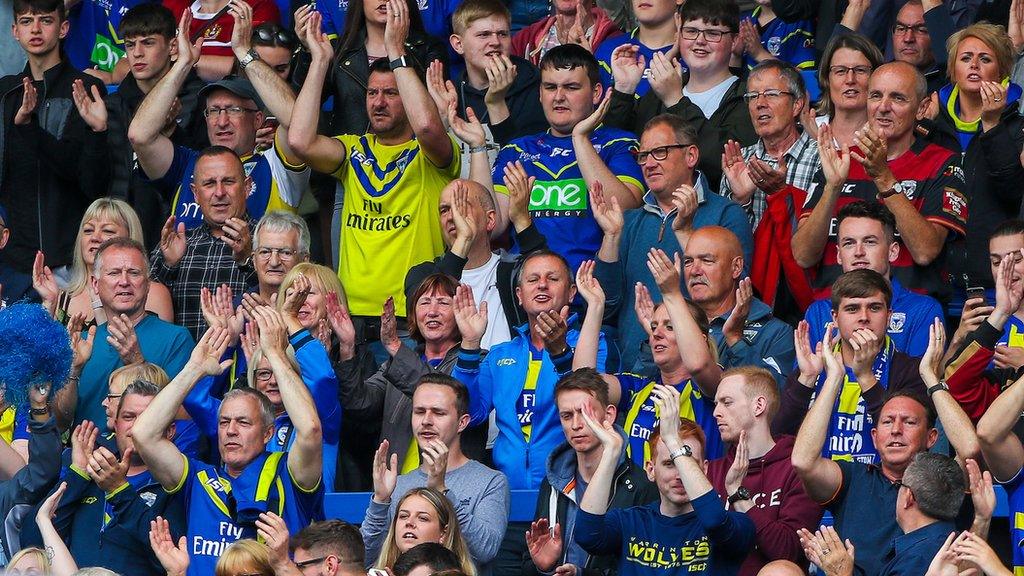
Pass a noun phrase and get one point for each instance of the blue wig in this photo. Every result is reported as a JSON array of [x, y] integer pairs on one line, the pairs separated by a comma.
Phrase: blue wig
[[36, 350]]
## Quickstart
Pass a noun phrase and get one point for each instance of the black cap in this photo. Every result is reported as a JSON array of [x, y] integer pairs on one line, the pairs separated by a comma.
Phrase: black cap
[[237, 85]]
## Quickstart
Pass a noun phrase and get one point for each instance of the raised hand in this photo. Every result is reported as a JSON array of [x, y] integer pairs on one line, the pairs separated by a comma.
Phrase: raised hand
[[874, 151], [827, 551], [737, 472], [769, 179], [301, 19], [44, 283], [643, 306], [519, 186], [465, 227], [90, 105], [470, 130], [241, 33], [174, 558], [108, 471], [272, 529], [250, 341], [578, 31], [666, 272], [750, 39], [628, 66], [472, 322], [341, 324], [553, 328], [48, 509], [1008, 297], [441, 91], [396, 29], [607, 213], [544, 543], [29, 100], [602, 427], [435, 456], [666, 405], [389, 327], [741, 184], [931, 363], [835, 163], [809, 360], [1008, 357], [385, 473], [83, 442], [944, 563], [81, 348], [295, 297], [207, 354], [973, 548], [188, 52], [866, 345], [319, 45], [737, 320], [172, 241], [993, 103], [238, 237], [587, 285], [832, 355], [587, 126], [983, 495], [684, 199], [273, 332], [666, 78], [122, 338]]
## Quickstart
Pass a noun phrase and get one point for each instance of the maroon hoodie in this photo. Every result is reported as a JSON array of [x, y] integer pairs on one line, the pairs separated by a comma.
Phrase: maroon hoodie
[[780, 505]]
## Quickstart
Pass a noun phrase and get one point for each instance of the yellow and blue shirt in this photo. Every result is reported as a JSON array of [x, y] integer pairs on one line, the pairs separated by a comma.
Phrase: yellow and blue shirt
[[389, 218]]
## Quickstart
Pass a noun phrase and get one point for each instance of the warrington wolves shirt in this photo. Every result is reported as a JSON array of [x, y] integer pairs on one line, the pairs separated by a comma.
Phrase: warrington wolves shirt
[[389, 219], [933, 181], [559, 203]]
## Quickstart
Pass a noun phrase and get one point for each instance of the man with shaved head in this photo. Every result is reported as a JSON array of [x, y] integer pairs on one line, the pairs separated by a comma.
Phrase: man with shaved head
[[922, 185], [678, 201], [743, 327], [781, 568], [467, 212]]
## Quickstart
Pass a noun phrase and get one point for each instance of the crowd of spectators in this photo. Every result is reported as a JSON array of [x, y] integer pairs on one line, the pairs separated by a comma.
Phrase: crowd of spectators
[[729, 289]]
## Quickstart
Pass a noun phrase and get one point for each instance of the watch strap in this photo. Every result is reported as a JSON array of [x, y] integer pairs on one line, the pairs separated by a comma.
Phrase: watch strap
[[400, 62], [940, 386], [683, 450], [740, 494], [250, 57]]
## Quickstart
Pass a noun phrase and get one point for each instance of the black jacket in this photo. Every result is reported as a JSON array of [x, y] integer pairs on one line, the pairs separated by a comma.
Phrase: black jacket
[[28, 486], [352, 70], [525, 114], [993, 174], [530, 239], [730, 121], [126, 180], [47, 185]]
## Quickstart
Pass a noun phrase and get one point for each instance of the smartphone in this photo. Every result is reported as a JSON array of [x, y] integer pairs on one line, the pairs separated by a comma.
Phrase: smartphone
[[271, 121], [976, 292], [376, 572]]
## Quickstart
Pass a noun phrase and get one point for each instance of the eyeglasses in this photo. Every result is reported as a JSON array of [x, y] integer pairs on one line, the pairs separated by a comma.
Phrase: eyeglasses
[[771, 95], [844, 70], [113, 397], [899, 484], [901, 29], [310, 562], [285, 254], [233, 111], [263, 375], [710, 34], [659, 153]]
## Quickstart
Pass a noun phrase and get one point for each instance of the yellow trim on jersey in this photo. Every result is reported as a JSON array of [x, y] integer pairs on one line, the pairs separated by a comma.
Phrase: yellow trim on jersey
[[118, 490], [204, 480], [184, 476], [7, 424], [284, 160], [532, 376]]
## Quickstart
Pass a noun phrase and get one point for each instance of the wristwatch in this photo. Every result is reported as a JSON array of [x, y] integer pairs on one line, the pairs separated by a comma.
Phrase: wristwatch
[[250, 57], [897, 188], [400, 62], [684, 450], [940, 386], [741, 494]]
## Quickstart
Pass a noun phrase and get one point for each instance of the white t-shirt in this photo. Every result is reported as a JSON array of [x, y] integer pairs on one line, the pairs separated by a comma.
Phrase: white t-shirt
[[484, 281], [709, 100]]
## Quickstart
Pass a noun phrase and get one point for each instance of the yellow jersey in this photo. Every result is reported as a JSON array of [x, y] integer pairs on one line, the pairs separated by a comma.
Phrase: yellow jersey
[[389, 218]]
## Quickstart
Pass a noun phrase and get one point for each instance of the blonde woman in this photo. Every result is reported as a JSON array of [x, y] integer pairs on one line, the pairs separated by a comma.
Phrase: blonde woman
[[422, 515], [105, 218]]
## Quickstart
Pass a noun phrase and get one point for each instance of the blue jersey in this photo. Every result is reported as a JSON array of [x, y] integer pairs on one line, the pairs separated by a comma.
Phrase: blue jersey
[[604, 59], [275, 185], [221, 509], [92, 39], [791, 42], [1015, 502], [912, 316], [559, 202], [641, 415]]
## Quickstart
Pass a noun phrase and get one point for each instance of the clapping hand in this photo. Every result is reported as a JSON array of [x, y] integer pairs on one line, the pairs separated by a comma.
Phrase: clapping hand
[[544, 543], [607, 212], [472, 321], [174, 558], [341, 324], [385, 473], [588, 286], [666, 272], [90, 105]]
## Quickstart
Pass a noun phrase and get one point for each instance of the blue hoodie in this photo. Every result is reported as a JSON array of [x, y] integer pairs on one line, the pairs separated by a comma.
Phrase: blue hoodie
[[767, 342], [497, 383]]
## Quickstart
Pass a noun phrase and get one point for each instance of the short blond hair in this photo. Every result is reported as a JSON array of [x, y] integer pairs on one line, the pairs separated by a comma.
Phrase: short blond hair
[[472, 10], [246, 555], [146, 371], [38, 553], [993, 36], [324, 278]]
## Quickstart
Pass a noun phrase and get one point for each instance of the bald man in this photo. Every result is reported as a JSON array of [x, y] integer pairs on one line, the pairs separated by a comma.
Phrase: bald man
[[743, 327], [781, 568], [467, 212], [922, 185]]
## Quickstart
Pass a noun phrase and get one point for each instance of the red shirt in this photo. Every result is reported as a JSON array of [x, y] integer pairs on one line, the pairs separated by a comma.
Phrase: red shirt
[[933, 182], [217, 38]]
